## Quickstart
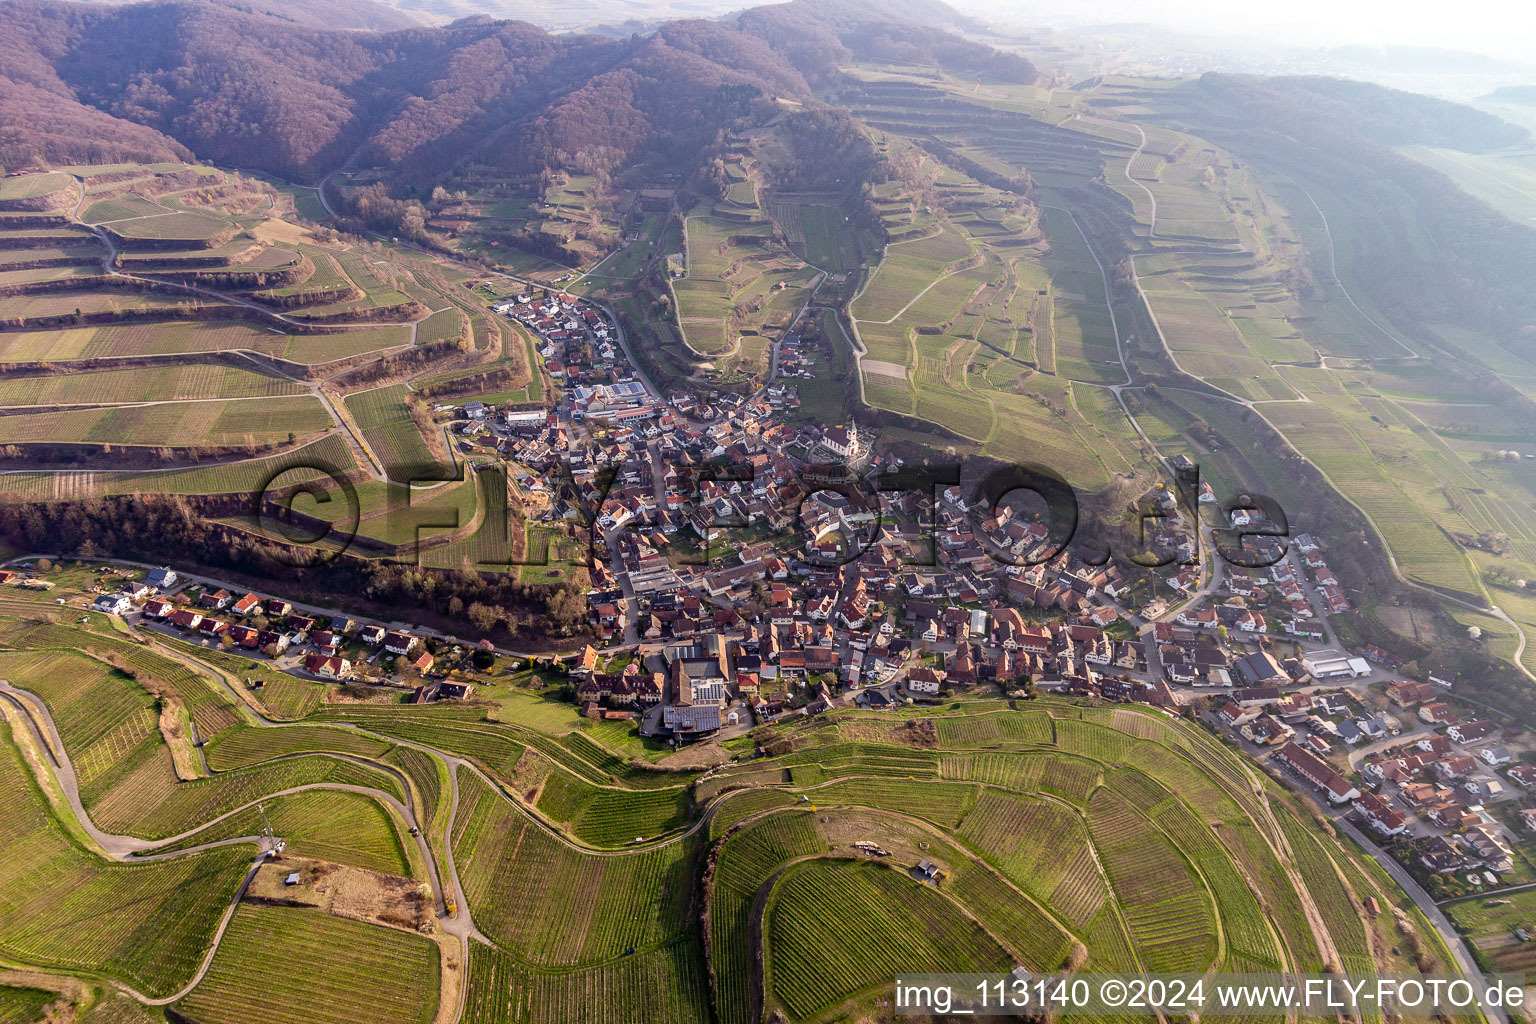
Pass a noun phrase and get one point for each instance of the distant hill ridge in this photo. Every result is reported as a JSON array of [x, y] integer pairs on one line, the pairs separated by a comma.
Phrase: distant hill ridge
[[1524, 95], [163, 80]]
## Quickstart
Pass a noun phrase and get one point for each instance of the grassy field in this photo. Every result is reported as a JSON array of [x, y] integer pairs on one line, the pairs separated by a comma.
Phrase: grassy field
[[1491, 929], [127, 781], [332, 825], [24, 1005], [1167, 910], [67, 909], [841, 929], [659, 986], [387, 425], [150, 384], [981, 321], [492, 749], [31, 186], [204, 423], [746, 863], [384, 974], [550, 904], [1129, 833], [247, 745], [217, 231], [607, 817], [741, 286], [1506, 181]]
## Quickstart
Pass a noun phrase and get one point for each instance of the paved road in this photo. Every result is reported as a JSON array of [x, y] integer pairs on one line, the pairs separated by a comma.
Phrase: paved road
[[307, 609]]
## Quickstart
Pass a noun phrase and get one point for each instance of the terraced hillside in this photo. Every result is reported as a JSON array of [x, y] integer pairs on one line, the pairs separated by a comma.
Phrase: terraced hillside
[[1088, 279], [741, 285], [1060, 834], [988, 316], [179, 329]]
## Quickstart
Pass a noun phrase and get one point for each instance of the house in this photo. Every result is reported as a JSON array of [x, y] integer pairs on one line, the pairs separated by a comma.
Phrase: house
[[371, 635], [1266, 730], [1261, 670], [649, 688], [1523, 775], [215, 599], [1372, 726], [1454, 767], [1419, 795], [157, 609], [1435, 746], [1234, 715], [1435, 712], [1251, 622], [586, 662], [113, 604], [246, 605], [1318, 772], [1471, 732], [1440, 856], [924, 681], [1379, 816], [1407, 693], [1257, 696], [1451, 814], [1293, 706], [185, 618], [327, 667], [1494, 756], [1204, 617], [1483, 788], [423, 662], [1486, 844], [436, 689], [277, 607], [161, 578], [399, 643]]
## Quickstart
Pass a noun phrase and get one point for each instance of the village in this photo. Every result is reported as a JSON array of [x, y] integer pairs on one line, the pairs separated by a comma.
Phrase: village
[[747, 570]]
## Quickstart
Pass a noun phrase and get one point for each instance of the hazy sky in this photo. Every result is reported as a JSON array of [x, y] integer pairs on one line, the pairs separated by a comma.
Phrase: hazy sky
[[1498, 27]]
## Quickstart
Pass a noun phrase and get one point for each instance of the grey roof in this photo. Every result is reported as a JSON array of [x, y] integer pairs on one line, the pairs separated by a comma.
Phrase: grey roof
[[691, 719]]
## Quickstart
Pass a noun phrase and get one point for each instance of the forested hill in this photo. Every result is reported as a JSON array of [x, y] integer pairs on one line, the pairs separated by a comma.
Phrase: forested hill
[[1394, 117], [1485, 271], [157, 80]]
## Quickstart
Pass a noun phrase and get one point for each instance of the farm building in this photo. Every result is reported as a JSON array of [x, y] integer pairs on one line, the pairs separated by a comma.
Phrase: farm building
[[1335, 665]]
